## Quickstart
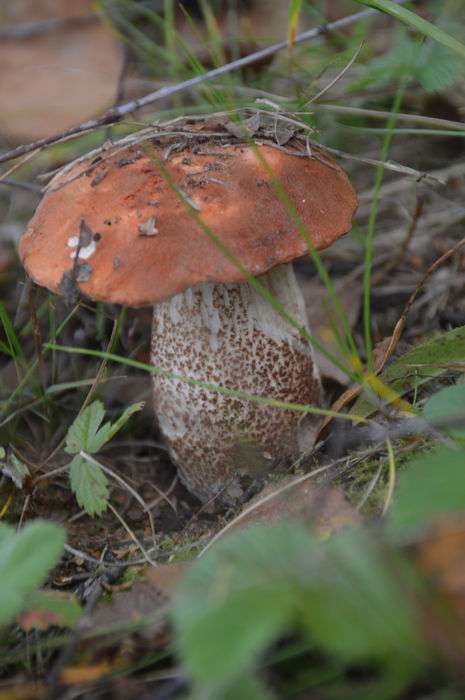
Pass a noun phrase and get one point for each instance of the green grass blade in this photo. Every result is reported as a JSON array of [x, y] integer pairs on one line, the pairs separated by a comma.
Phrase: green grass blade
[[372, 225], [208, 386], [295, 8], [13, 341]]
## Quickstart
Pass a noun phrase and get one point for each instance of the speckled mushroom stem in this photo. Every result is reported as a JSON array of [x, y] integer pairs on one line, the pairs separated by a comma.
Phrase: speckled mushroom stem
[[227, 334]]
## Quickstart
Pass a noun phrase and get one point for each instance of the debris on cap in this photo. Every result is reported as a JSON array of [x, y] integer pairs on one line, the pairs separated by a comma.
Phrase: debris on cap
[[139, 236]]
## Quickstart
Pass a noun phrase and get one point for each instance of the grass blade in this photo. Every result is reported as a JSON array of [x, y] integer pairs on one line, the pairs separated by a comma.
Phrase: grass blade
[[295, 9], [209, 386]]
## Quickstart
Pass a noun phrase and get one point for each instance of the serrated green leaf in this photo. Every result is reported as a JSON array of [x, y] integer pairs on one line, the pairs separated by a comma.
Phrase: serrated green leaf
[[86, 433], [109, 430], [90, 485], [81, 434], [441, 476], [26, 557], [438, 68], [418, 366]]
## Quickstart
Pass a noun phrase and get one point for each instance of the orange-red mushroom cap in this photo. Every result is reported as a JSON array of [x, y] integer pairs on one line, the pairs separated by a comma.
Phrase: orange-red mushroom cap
[[114, 228]]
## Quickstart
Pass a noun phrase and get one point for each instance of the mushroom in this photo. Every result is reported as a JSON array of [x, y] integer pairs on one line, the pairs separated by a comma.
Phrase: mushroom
[[114, 229], [64, 72]]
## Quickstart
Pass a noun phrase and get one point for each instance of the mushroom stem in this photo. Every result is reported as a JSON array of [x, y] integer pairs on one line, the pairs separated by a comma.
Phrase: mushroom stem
[[229, 335]]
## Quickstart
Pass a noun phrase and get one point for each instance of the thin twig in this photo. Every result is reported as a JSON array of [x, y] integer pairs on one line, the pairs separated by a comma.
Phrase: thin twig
[[333, 82], [381, 114], [133, 536], [116, 114]]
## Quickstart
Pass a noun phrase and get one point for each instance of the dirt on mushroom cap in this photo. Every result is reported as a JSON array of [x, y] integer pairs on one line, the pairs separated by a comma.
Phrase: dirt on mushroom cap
[[112, 227]]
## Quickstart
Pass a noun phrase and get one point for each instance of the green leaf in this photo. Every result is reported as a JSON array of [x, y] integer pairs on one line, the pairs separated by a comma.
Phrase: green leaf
[[449, 403], [432, 486], [86, 433], [81, 435], [347, 595], [16, 470], [356, 608], [90, 485], [247, 622], [418, 366], [247, 687], [26, 557], [229, 608], [418, 23], [433, 65], [109, 430], [438, 68]]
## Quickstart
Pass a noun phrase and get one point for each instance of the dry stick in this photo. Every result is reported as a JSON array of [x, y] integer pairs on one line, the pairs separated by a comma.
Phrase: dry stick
[[116, 114], [353, 392], [132, 535]]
